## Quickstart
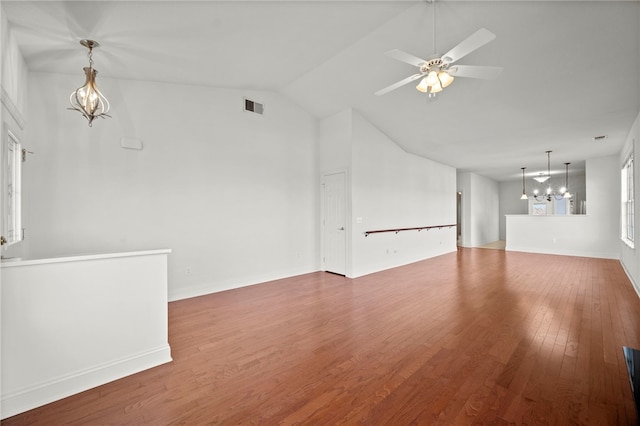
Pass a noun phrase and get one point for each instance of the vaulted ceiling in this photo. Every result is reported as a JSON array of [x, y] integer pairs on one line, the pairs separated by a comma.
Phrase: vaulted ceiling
[[571, 68]]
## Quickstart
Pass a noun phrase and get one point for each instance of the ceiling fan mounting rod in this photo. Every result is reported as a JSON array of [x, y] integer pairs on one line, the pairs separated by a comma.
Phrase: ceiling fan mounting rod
[[435, 46]]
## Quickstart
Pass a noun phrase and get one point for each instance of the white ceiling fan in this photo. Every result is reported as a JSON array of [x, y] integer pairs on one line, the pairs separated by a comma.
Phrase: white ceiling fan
[[439, 72]]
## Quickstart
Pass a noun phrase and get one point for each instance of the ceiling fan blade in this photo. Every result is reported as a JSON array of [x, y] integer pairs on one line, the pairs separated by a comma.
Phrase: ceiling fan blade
[[405, 57], [475, 71], [400, 83], [468, 45]]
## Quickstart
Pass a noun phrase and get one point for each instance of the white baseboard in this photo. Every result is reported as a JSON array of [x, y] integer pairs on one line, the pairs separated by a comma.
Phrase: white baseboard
[[209, 288], [403, 262], [62, 387], [633, 282], [578, 253]]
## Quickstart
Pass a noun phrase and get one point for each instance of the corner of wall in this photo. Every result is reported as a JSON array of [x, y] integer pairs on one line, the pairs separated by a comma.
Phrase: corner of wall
[[628, 256], [13, 69]]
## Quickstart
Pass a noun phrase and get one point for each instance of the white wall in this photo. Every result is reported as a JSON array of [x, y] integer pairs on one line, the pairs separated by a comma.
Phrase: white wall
[[578, 189], [71, 324], [572, 235], [480, 209], [334, 142], [233, 194], [603, 195], [386, 188], [334, 155], [510, 203], [394, 189], [629, 256]]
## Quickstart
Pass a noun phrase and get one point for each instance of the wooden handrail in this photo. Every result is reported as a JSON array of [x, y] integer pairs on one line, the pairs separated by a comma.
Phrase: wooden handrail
[[419, 228]]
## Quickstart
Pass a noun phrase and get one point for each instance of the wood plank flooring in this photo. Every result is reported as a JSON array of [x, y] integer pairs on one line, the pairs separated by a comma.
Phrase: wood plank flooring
[[477, 337]]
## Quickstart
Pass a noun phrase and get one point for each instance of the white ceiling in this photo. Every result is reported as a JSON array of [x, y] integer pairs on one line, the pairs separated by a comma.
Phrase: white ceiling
[[571, 68]]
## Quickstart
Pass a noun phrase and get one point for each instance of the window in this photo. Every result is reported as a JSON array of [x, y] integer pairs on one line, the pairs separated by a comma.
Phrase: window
[[11, 194], [627, 197]]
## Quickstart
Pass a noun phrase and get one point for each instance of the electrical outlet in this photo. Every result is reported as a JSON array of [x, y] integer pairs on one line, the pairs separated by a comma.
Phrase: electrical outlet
[[187, 270]]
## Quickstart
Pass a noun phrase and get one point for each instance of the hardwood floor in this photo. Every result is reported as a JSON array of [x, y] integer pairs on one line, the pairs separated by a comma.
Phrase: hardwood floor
[[473, 337]]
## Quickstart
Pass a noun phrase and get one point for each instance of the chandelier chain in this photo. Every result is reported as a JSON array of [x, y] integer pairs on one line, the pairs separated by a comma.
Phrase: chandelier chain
[[90, 55]]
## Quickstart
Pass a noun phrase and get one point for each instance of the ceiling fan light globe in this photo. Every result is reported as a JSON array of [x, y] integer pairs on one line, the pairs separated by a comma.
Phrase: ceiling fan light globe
[[432, 78], [445, 79], [423, 86], [436, 88]]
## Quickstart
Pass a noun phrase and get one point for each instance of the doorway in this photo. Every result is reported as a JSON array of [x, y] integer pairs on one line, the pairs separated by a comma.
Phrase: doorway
[[459, 219], [334, 223]]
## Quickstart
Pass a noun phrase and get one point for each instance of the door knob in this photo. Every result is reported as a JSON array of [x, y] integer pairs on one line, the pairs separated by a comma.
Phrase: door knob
[[341, 228]]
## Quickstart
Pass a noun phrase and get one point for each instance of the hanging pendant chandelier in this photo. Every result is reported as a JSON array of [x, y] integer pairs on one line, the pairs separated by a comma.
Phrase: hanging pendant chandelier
[[87, 99], [549, 193], [524, 193]]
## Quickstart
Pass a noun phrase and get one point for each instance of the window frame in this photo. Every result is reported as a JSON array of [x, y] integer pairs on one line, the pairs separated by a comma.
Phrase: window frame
[[627, 195], [12, 158]]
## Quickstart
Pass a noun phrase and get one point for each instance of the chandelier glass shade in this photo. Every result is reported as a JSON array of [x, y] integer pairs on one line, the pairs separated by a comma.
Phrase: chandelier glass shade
[[549, 193], [541, 178], [88, 100]]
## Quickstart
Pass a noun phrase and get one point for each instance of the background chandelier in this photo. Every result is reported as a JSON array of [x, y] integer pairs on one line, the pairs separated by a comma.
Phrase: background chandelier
[[549, 193], [542, 178], [87, 99]]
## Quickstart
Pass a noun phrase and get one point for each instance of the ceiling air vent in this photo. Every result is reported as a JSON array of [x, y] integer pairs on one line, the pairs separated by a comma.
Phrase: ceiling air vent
[[253, 106], [599, 138]]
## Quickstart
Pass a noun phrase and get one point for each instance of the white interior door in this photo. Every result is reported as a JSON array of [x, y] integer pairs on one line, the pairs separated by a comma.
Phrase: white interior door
[[334, 229]]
